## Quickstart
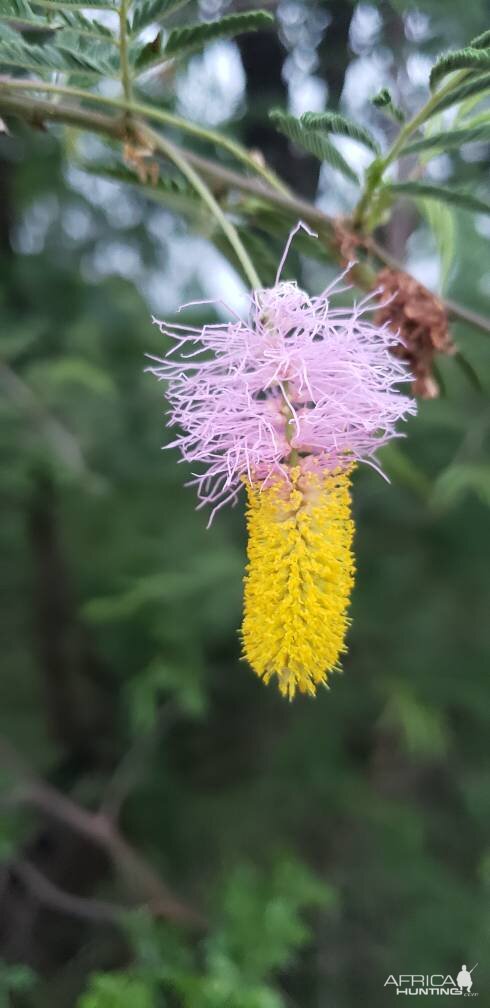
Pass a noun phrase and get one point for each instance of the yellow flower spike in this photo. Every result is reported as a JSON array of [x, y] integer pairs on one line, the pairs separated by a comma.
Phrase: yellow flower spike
[[299, 578]]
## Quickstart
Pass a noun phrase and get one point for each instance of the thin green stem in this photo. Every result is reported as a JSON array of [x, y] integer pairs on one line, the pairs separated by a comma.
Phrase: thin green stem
[[157, 115], [173, 154], [123, 53]]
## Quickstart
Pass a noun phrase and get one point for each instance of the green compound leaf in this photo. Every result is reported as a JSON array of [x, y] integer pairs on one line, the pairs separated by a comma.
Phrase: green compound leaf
[[81, 5], [452, 197], [312, 141], [85, 28], [191, 37], [481, 41], [46, 58], [476, 86], [147, 12], [332, 122], [21, 11], [170, 190], [461, 59], [451, 139]]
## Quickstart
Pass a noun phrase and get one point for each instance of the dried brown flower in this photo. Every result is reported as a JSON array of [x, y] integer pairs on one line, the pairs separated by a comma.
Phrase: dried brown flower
[[421, 320]]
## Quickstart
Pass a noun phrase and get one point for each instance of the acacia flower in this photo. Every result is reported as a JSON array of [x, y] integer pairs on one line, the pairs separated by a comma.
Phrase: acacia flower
[[285, 404]]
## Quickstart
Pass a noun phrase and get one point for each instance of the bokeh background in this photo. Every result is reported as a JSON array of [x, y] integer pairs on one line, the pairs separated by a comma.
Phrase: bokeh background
[[328, 843]]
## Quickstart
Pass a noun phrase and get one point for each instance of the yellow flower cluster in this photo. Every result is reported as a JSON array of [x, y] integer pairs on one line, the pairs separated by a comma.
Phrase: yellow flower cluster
[[299, 578]]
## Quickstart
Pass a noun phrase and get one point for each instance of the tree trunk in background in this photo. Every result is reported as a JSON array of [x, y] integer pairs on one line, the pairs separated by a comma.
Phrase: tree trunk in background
[[263, 60], [333, 51]]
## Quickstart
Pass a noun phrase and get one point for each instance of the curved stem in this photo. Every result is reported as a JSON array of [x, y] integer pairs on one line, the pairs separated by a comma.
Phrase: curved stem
[[157, 115], [173, 154]]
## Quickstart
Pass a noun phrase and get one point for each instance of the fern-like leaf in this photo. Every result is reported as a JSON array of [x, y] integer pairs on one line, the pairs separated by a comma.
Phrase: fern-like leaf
[[81, 5], [85, 28], [476, 86], [450, 139], [95, 56], [21, 12], [481, 41], [170, 189], [454, 197], [461, 59], [191, 37], [47, 58], [332, 122], [147, 12], [312, 141]]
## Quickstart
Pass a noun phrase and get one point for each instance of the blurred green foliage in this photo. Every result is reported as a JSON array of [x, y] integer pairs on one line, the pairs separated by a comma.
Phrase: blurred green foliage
[[259, 931]]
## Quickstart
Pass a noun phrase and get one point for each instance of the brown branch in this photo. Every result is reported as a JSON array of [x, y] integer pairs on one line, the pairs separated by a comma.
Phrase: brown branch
[[41, 110], [459, 313], [51, 895], [141, 879], [37, 112]]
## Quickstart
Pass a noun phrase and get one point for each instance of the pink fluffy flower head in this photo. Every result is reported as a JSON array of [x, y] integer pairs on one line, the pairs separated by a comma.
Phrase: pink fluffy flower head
[[297, 377]]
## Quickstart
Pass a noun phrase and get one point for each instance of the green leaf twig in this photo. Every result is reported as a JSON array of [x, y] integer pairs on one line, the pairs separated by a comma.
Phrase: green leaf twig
[[481, 41], [462, 59], [191, 37], [450, 139], [460, 93], [312, 141], [454, 197], [145, 12], [332, 122], [48, 58]]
